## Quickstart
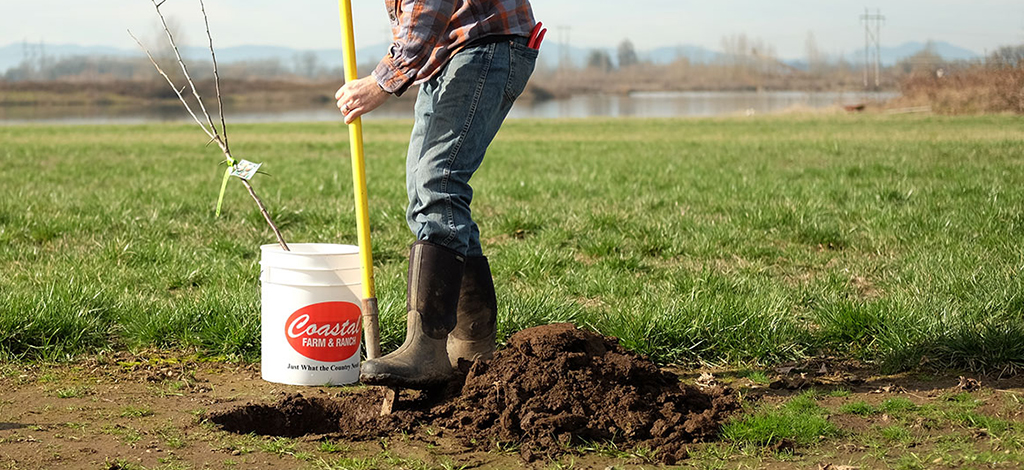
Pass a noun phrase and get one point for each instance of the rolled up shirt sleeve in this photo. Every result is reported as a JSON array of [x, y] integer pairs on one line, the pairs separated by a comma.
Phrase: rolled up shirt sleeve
[[419, 30]]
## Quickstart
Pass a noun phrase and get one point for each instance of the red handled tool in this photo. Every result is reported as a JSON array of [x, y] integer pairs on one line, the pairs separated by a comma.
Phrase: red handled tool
[[537, 36]]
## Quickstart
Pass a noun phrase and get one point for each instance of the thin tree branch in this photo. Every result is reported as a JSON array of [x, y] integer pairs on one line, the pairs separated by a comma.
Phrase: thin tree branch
[[266, 215], [216, 76], [184, 70], [188, 108]]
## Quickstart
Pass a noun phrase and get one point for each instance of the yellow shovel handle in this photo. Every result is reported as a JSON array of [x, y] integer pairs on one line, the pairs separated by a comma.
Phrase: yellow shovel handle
[[371, 325], [355, 133]]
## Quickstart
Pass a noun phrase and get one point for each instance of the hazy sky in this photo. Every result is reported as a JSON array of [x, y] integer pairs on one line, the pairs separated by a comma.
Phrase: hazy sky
[[979, 25]]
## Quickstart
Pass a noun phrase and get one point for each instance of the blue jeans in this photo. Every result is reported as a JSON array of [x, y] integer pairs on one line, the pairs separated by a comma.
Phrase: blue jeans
[[458, 113]]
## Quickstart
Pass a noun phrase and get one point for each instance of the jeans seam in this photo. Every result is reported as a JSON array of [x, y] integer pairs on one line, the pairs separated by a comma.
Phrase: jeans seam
[[474, 103], [511, 73]]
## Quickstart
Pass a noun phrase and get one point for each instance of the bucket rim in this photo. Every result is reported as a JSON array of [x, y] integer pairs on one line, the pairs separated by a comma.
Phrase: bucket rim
[[339, 249]]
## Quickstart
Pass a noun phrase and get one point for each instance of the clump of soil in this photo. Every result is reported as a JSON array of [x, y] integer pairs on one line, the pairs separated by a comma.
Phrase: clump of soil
[[552, 387]]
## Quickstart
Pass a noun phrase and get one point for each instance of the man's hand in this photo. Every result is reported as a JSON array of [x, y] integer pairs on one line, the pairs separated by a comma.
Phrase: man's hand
[[359, 97]]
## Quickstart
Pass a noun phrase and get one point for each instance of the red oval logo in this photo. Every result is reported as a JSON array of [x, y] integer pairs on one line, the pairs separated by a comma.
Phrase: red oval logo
[[326, 332]]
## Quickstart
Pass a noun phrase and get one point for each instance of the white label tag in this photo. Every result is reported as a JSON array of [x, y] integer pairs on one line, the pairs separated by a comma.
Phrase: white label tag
[[245, 169]]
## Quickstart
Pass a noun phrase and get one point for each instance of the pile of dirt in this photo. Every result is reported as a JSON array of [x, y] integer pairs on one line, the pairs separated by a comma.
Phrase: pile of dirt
[[556, 385], [552, 387]]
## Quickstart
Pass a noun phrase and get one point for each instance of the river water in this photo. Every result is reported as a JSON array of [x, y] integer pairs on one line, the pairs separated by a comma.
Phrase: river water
[[640, 105]]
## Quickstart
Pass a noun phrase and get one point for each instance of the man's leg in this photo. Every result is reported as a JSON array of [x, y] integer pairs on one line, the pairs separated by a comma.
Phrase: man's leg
[[458, 114], [476, 327]]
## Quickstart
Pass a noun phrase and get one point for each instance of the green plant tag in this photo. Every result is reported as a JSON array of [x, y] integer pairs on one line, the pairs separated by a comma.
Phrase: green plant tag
[[243, 169]]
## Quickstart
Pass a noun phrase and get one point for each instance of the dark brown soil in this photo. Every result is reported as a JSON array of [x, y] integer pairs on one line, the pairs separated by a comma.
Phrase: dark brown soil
[[553, 387], [147, 410]]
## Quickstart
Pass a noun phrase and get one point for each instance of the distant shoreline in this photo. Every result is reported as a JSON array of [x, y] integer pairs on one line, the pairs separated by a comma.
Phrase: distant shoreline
[[263, 93]]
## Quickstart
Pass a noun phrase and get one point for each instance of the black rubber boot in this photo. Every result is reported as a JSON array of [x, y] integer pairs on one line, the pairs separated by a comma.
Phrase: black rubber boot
[[435, 275], [473, 337]]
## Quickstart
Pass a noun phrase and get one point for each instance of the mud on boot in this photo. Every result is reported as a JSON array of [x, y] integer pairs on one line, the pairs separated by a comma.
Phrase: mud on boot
[[435, 277], [476, 326]]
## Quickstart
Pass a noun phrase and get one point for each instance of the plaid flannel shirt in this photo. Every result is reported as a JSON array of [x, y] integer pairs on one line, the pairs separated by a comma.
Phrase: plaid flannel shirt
[[428, 32]]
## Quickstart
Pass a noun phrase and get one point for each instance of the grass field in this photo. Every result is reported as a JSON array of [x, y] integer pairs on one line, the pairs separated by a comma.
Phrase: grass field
[[890, 240]]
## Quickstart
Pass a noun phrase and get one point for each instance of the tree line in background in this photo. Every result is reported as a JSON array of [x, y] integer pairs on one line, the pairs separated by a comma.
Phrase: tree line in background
[[993, 83], [305, 66]]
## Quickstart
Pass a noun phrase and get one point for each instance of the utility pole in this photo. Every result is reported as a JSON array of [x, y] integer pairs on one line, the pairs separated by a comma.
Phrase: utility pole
[[872, 37], [564, 58]]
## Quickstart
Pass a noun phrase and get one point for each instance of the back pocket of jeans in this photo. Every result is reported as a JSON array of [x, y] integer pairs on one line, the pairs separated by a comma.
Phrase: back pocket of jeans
[[522, 60]]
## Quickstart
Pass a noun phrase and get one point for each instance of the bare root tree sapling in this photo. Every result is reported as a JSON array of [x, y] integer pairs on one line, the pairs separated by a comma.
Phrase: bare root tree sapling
[[244, 170]]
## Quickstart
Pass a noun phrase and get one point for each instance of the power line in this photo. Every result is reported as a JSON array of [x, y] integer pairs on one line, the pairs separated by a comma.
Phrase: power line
[[870, 38]]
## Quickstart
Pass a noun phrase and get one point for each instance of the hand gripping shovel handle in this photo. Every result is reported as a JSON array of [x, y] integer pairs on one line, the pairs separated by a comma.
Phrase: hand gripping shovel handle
[[371, 320]]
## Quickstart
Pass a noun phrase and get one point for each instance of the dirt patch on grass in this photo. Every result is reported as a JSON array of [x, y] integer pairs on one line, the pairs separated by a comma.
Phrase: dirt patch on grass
[[152, 410], [552, 388]]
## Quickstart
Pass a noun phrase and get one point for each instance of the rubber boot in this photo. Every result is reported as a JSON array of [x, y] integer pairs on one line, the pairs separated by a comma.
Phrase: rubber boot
[[435, 275], [473, 336]]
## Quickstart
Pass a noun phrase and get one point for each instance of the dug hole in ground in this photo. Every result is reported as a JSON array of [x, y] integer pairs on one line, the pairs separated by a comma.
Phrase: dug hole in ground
[[552, 387]]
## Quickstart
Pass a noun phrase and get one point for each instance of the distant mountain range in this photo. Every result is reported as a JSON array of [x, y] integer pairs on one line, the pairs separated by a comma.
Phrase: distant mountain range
[[892, 55], [889, 55], [13, 54]]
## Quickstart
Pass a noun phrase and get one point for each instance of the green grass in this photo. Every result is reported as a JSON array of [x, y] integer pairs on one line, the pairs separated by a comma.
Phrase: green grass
[[886, 239], [172, 437], [857, 408], [897, 435], [894, 406], [757, 376], [330, 447], [386, 460], [280, 446], [897, 405], [800, 420], [77, 391]]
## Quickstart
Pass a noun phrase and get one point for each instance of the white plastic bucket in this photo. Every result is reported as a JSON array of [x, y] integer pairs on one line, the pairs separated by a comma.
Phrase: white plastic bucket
[[311, 314]]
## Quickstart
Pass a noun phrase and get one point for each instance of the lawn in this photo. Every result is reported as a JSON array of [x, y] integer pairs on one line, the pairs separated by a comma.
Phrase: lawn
[[891, 240]]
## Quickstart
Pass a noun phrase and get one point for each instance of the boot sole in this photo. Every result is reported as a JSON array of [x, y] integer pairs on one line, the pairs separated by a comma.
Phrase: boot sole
[[395, 381]]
